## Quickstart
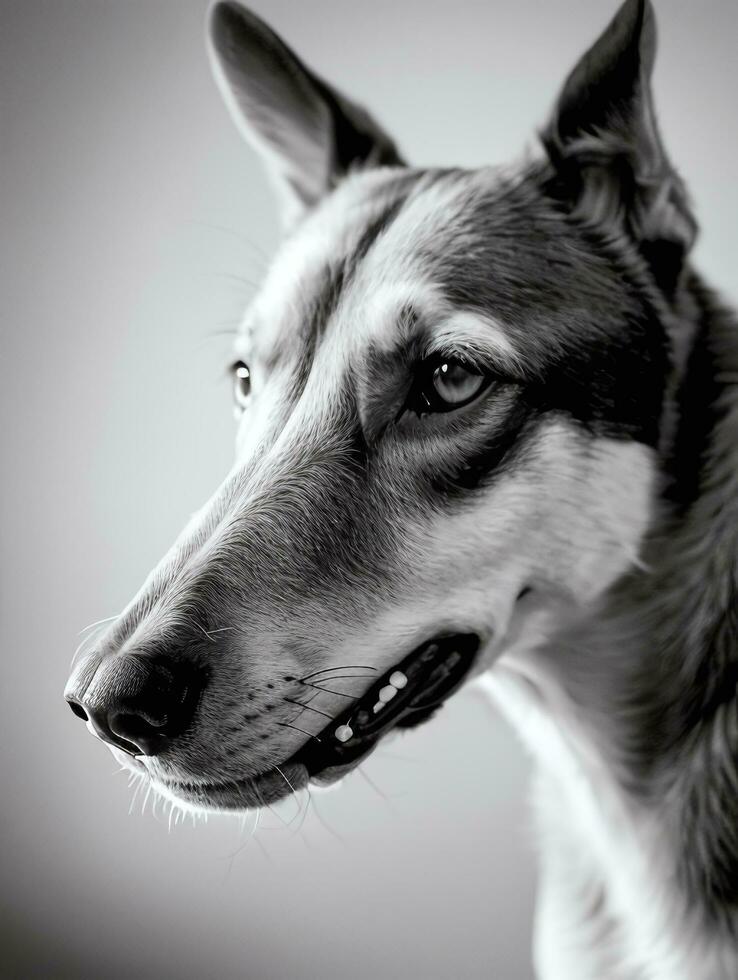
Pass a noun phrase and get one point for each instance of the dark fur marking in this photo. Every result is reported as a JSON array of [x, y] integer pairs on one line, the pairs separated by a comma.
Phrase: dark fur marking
[[495, 449], [675, 702], [338, 274], [335, 277], [697, 408], [389, 375], [587, 332]]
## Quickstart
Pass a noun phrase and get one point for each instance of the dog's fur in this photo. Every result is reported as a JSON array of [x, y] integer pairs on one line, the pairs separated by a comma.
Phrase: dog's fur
[[580, 516]]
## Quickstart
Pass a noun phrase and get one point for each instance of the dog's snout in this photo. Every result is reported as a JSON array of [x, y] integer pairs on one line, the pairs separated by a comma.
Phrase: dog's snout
[[139, 704]]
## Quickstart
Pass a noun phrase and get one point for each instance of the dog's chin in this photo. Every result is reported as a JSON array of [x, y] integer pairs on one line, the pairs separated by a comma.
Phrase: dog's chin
[[405, 696]]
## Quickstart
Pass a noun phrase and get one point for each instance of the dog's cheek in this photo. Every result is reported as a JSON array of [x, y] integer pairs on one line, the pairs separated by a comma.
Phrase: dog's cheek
[[614, 504], [570, 514]]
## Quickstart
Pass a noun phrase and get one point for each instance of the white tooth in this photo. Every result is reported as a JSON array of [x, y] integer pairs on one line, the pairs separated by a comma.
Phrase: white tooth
[[343, 733], [387, 693], [378, 706], [398, 680]]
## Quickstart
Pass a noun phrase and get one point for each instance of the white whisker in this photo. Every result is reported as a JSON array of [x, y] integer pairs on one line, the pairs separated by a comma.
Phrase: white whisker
[[99, 622], [90, 637]]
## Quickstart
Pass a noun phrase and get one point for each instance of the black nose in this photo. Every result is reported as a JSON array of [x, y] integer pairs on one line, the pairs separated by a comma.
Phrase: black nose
[[139, 704]]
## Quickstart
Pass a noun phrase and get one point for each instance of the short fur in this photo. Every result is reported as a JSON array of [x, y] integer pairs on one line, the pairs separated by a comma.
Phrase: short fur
[[580, 517]]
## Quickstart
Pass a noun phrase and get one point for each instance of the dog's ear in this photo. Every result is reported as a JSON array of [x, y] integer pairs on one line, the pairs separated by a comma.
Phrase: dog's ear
[[604, 144], [308, 134]]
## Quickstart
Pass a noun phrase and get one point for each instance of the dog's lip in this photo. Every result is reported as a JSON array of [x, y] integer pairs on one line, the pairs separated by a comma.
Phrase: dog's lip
[[433, 671], [239, 794]]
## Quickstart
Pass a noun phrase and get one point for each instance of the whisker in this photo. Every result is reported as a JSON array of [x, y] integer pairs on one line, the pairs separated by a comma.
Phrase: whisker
[[312, 696], [76, 652], [299, 827], [293, 797], [292, 788], [324, 823], [340, 677], [221, 629], [309, 707], [283, 724], [146, 798], [265, 853], [139, 780], [327, 690], [90, 637], [232, 277], [240, 848], [256, 251], [327, 670], [275, 812], [98, 623], [373, 785]]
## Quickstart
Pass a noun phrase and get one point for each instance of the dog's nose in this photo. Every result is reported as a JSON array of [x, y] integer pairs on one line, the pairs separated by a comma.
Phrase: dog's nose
[[139, 704]]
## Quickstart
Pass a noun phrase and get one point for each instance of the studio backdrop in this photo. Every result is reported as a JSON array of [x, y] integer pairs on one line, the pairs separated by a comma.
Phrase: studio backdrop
[[136, 225]]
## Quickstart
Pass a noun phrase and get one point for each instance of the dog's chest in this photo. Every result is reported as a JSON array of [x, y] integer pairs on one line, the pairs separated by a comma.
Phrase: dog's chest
[[579, 786]]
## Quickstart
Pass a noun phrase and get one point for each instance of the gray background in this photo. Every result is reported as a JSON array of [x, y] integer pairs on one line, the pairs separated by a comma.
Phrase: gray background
[[134, 224]]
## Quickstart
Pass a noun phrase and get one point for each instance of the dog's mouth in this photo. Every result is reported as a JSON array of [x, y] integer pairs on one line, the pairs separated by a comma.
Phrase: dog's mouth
[[403, 697]]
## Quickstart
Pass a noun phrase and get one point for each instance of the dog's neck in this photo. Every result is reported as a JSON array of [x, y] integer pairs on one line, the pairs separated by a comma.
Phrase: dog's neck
[[685, 734], [664, 710]]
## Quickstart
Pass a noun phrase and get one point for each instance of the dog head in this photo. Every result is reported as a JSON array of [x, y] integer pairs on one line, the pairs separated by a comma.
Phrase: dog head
[[449, 395]]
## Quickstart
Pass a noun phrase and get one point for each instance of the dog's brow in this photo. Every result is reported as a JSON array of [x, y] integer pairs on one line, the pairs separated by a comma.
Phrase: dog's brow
[[389, 369], [462, 332], [317, 290], [477, 335]]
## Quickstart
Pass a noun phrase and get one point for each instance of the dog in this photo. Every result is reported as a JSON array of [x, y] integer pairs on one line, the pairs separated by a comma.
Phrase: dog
[[486, 428]]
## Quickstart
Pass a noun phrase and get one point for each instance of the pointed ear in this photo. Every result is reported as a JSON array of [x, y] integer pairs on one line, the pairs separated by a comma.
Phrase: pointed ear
[[604, 144], [307, 133]]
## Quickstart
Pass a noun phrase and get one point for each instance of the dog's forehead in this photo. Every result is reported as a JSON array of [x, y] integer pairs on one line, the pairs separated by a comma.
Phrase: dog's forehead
[[370, 250], [306, 276], [487, 243]]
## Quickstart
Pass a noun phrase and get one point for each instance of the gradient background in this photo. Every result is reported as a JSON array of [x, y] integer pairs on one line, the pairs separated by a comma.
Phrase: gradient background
[[135, 225]]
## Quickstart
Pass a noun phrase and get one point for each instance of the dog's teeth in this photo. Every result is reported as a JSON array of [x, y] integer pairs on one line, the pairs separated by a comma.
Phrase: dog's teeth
[[378, 706], [343, 733], [398, 680], [387, 693]]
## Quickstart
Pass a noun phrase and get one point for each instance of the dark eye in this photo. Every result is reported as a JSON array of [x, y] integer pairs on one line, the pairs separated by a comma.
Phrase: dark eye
[[445, 385], [241, 386]]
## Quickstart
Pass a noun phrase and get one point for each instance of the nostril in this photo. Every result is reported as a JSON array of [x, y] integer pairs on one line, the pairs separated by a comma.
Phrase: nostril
[[130, 725], [150, 738], [78, 710]]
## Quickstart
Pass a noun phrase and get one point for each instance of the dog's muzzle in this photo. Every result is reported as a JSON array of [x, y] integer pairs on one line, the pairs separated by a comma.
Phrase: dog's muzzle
[[409, 693]]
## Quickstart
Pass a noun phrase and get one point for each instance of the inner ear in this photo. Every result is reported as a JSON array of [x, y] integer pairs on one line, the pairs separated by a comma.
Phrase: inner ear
[[603, 141], [307, 133]]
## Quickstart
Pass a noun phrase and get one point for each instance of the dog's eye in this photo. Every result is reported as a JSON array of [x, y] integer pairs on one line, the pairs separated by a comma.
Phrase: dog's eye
[[241, 386], [446, 385]]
